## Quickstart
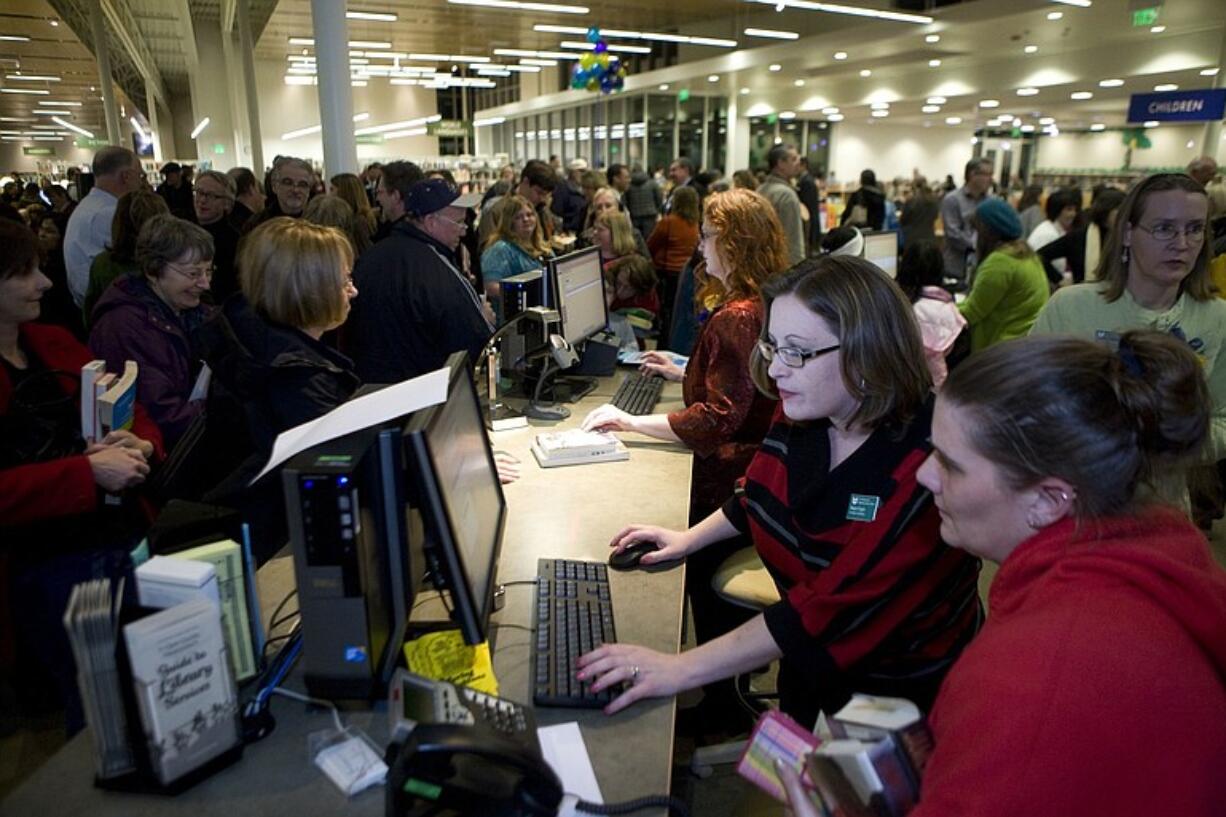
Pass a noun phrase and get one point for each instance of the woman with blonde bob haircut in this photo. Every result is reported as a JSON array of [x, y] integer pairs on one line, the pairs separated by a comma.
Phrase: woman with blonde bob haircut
[[264, 348], [613, 233], [517, 245]]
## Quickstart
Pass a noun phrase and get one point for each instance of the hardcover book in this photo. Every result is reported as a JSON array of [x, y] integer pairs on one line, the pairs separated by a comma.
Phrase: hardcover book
[[181, 673]]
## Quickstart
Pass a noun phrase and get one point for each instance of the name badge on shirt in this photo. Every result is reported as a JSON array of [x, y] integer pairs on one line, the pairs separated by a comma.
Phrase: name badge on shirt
[[1112, 339], [863, 508]]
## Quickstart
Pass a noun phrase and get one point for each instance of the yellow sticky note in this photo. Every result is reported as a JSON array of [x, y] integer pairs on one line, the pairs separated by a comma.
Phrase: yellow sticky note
[[444, 656]]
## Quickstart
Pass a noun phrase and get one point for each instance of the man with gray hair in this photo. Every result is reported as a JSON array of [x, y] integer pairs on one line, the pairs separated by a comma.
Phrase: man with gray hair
[[291, 182], [116, 171], [784, 163], [957, 211]]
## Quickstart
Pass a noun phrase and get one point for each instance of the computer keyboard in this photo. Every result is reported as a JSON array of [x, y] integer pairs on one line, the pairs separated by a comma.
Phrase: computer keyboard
[[574, 615], [638, 393]]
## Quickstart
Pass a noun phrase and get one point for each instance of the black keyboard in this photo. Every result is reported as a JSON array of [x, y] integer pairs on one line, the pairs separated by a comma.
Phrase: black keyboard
[[574, 615], [638, 393]]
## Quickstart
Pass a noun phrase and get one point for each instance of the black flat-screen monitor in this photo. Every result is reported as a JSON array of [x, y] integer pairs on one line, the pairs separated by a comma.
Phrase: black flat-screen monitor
[[578, 288], [456, 488]]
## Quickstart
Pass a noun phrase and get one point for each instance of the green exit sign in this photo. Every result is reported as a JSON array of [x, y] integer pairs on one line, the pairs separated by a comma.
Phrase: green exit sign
[[219, 148], [683, 94], [1145, 17], [28, 151]]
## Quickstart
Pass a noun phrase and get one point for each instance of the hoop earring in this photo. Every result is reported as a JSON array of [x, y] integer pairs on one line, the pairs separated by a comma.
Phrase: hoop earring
[[1125, 255]]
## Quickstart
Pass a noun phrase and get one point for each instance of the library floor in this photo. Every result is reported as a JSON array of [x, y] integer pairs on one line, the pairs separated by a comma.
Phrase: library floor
[[27, 741]]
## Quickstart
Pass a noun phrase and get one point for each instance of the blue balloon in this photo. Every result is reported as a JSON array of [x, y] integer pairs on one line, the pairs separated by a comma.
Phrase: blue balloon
[[593, 34], [601, 47]]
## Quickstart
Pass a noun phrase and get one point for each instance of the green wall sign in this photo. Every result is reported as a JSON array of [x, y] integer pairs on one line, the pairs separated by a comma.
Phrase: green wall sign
[[28, 151], [1145, 17]]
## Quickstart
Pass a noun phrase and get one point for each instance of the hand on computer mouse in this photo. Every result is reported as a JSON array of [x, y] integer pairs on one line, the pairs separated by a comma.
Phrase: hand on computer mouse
[[608, 418], [669, 545]]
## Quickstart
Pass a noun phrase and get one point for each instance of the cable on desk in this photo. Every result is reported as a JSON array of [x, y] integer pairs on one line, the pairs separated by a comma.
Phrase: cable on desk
[[281, 606], [673, 804], [307, 699]]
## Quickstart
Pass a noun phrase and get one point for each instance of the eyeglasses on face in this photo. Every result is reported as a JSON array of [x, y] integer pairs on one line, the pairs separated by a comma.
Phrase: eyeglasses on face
[[206, 196], [1168, 231], [791, 356], [197, 273], [290, 184]]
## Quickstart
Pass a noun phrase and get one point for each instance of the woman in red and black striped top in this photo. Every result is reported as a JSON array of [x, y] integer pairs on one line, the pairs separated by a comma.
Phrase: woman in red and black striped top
[[873, 601]]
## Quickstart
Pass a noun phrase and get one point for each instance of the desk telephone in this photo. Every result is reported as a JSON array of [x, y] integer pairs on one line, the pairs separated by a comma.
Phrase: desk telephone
[[459, 751]]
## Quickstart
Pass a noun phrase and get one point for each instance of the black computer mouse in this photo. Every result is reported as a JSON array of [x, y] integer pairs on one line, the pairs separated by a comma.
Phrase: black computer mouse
[[629, 558]]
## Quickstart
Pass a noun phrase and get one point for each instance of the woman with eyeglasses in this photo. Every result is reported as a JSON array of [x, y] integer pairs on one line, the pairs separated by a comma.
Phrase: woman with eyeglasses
[[1154, 274], [871, 600], [56, 525], [214, 199], [119, 258], [150, 317]]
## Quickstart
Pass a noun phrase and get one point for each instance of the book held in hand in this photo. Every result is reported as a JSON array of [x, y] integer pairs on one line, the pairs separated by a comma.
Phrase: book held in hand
[[184, 689]]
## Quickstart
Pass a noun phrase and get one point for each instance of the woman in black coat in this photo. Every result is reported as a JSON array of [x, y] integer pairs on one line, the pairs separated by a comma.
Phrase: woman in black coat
[[1073, 245]]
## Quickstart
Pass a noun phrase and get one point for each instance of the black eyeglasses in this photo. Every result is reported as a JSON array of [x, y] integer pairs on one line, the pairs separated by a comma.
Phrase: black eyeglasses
[[790, 356]]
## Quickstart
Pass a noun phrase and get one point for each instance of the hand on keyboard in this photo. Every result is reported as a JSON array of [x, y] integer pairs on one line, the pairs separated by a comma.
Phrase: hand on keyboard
[[646, 673], [608, 418], [660, 364]]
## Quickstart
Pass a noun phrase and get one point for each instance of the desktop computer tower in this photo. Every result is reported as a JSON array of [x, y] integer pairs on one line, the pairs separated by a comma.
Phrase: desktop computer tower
[[358, 560]]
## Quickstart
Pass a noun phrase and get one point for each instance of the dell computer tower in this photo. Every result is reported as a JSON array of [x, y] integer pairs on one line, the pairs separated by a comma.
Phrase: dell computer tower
[[357, 560]]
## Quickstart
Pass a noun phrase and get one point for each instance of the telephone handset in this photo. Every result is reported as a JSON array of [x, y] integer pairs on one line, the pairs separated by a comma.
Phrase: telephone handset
[[450, 769]]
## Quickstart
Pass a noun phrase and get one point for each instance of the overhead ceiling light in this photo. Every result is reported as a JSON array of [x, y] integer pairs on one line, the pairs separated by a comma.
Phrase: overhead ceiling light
[[1209, 72], [403, 81], [1085, 4], [51, 112], [1017, 123], [1166, 86], [800, 83], [515, 5], [521, 69], [63, 104], [76, 129], [934, 63], [664, 86], [835, 8], [1110, 83], [772, 34], [372, 15], [548, 55], [713, 78], [30, 91], [932, 38], [1027, 91], [618, 33], [1152, 123], [787, 114], [835, 117], [880, 114], [586, 46], [880, 106], [830, 109], [32, 78], [864, 72], [1054, 15], [759, 109], [1030, 49], [953, 120], [840, 55], [1157, 29], [493, 120], [744, 91], [989, 103], [13, 38], [931, 109], [394, 126], [302, 41], [537, 63], [487, 71], [200, 126], [1097, 126], [369, 44], [774, 66], [936, 100], [1047, 120], [1081, 95]]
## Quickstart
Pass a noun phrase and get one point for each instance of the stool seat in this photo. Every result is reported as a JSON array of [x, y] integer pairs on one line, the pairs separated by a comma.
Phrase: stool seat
[[743, 580]]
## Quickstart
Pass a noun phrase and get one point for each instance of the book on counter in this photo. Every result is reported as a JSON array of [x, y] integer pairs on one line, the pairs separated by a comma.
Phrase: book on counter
[[576, 446], [184, 691]]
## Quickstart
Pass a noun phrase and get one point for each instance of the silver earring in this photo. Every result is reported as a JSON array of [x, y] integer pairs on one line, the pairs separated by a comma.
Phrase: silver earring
[[1125, 255]]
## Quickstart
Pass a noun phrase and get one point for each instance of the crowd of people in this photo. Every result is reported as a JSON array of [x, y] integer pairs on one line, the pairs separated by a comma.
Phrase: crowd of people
[[1038, 386]]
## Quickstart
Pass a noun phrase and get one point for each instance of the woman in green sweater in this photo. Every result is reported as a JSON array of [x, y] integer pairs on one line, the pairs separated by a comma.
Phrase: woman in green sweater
[[1010, 285], [1154, 274]]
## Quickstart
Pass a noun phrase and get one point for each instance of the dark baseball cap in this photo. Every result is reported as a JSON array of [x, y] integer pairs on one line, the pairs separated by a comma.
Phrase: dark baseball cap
[[432, 195], [171, 167]]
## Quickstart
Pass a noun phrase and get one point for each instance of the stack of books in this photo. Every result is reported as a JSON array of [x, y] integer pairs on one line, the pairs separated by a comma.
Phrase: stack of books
[[108, 401]]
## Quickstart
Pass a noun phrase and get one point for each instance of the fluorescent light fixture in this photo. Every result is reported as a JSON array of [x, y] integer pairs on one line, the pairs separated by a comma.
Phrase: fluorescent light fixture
[[1166, 86], [51, 112], [547, 55], [32, 78], [830, 109], [880, 106], [774, 67], [13, 38], [744, 91], [199, 129], [372, 15], [1030, 49], [485, 71], [799, 83], [493, 120], [359, 61], [989, 103], [14, 119], [1152, 123], [586, 46], [1027, 91], [623, 34], [408, 132], [1047, 120], [835, 8], [430, 57], [72, 127], [840, 55], [377, 44], [934, 63], [1209, 72], [713, 78], [930, 109], [529, 62], [1098, 126], [835, 117], [63, 104], [1081, 95], [395, 126], [772, 34], [787, 114], [880, 114], [516, 5], [932, 39], [936, 100], [953, 120], [664, 86], [466, 58], [1157, 29], [402, 81], [1055, 15], [1085, 4], [1110, 83], [864, 72], [302, 41], [31, 91], [136, 126]]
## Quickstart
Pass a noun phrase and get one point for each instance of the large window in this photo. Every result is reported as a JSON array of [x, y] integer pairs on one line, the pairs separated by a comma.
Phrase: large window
[[635, 130], [690, 121], [661, 122], [717, 135]]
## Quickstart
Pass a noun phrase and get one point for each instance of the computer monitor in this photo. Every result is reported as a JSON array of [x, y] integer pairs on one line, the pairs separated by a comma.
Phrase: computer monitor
[[456, 488], [578, 285], [881, 248]]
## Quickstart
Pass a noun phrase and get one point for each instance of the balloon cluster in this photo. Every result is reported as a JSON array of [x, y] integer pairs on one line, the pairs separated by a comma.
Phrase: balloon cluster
[[598, 70]]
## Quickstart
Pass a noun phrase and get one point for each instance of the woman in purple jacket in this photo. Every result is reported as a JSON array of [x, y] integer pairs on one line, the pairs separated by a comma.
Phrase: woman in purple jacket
[[150, 317]]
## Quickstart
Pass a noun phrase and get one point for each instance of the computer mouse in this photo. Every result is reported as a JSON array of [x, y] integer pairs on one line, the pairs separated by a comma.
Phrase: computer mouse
[[629, 558]]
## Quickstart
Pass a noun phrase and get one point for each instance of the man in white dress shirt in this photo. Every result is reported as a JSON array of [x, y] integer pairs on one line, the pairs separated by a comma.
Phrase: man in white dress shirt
[[116, 171]]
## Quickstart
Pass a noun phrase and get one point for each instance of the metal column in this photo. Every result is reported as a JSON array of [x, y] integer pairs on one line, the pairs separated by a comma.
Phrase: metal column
[[1213, 130], [335, 93], [105, 83], [247, 47]]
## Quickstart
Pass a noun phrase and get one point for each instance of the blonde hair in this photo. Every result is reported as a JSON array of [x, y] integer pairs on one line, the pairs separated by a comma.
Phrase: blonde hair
[[349, 188], [591, 208], [623, 233], [291, 271], [504, 213]]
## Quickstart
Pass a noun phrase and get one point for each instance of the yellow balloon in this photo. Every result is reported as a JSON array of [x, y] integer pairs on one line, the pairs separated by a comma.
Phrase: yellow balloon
[[603, 59], [587, 60]]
